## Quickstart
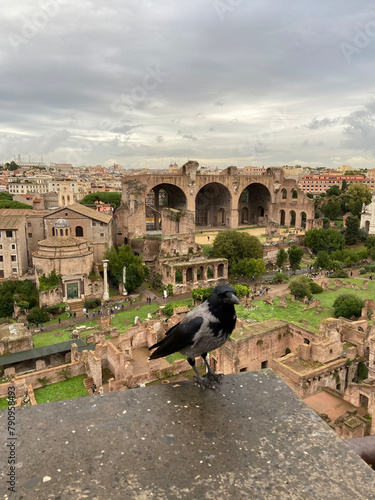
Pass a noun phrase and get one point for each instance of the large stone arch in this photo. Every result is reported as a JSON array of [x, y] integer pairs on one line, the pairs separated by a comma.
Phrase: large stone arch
[[256, 198], [163, 195], [213, 205]]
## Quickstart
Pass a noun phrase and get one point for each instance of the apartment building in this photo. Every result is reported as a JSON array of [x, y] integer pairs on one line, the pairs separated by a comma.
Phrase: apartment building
[[319, 183], [22, 185], [13, 247]]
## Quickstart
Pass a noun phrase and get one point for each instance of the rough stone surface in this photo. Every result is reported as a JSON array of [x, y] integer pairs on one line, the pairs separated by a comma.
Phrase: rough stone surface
[[252, 438]]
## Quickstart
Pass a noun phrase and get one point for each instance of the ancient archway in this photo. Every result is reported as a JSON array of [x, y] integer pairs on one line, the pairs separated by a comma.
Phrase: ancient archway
[[256, 198], [245, 215], [303, 219], [212, 205], [162, 196], [367, 225], [79, 231], [292, 218], [282, 217]]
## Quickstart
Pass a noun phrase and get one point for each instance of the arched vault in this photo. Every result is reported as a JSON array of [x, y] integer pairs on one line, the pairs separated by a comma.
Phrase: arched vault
[[254, 203]]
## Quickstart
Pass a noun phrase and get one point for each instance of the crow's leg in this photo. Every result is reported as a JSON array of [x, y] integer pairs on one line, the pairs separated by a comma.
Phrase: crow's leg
[[204, 383], [216, 377]]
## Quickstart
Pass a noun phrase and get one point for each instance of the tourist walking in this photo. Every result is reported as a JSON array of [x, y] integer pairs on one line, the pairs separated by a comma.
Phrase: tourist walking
[[93, 387], [101, 391]]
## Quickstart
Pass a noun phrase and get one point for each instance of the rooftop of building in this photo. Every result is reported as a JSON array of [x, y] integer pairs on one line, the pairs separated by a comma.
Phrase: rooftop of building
[[251, 438], [246, 330], [88, 212]]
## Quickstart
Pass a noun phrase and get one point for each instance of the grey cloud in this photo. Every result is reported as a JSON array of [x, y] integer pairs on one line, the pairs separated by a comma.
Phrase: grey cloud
[[99, 70]]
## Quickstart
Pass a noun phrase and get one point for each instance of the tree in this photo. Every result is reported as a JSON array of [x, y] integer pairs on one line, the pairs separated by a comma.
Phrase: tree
[[300, 287], [236, 245], [357, 194], [333, 191], [6, 201], [37, 315], [113, 198], [324, 239], [124, 257], [249, 268], [281, 258], [295, 256], [348, 306], [352, 228], [21, 292], [331, 209], [370, 243], [344, 186], [12, 166], [323, 260]]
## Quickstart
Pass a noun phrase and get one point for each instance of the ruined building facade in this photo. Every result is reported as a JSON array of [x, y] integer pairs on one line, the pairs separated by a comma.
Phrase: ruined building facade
[[228, 199]]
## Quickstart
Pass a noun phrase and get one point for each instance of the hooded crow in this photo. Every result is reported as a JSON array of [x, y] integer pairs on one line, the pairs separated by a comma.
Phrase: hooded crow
[[203, 329]]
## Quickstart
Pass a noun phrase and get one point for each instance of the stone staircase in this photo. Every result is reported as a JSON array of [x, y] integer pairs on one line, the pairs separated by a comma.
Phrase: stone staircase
[[76, 306], [88, 383]]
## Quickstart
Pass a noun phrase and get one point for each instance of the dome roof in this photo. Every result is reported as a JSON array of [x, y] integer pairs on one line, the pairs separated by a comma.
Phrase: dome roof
[[62, 223]]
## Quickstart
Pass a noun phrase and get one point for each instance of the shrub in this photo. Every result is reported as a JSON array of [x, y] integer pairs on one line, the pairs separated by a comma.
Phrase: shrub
[[300, 287], [43, 381], [372, 268], [54, 310], [37, 315], [241, 290], [315, 288], [362, 372], [92, 303], [168, 308], [348, 306], [49, 282], [64, 373], [280, 277], [170, 289], [339, 274], [362, 270], [201, 293]]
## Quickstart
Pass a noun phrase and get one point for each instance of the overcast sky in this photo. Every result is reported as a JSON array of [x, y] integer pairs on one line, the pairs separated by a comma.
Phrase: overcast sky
[[223, 82]]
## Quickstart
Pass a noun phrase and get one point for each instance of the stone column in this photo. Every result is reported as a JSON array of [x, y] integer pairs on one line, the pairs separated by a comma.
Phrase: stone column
[[195, 275], [105, 292], [184, 276], [204, 273], [215, 272]]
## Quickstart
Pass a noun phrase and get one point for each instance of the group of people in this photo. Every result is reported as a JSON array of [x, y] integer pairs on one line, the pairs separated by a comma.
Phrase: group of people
[[100, 390]]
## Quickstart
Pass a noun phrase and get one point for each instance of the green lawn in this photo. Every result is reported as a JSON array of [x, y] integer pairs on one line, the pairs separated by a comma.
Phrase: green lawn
[[66, 389], [49, 338], [294, 313]]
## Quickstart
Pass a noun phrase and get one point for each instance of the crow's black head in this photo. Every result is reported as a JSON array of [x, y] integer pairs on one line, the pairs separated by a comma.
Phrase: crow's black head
[[224, 294]]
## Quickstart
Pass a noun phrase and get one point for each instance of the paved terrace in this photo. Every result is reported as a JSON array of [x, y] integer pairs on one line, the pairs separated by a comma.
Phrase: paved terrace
[[253, 438]]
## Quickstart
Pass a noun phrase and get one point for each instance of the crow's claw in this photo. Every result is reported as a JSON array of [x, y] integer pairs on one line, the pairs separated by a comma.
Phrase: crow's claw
[[215, 377], [205, 383]]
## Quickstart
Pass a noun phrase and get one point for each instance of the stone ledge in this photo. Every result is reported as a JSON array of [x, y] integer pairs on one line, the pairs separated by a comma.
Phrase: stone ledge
[[253, 438]]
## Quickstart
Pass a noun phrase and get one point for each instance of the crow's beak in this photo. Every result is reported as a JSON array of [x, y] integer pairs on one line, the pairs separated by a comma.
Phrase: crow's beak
[[231, 298]]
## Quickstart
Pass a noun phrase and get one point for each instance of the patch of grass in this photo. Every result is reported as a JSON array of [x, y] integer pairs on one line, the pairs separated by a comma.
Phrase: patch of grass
[[3, 403], [174, 357], [66, 389], [294, 313]]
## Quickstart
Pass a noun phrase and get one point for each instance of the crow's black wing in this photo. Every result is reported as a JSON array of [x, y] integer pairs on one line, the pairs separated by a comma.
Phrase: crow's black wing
[[179, 336]]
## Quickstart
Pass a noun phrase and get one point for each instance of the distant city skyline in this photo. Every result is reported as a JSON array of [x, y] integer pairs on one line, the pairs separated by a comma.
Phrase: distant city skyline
[[223, 82]]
